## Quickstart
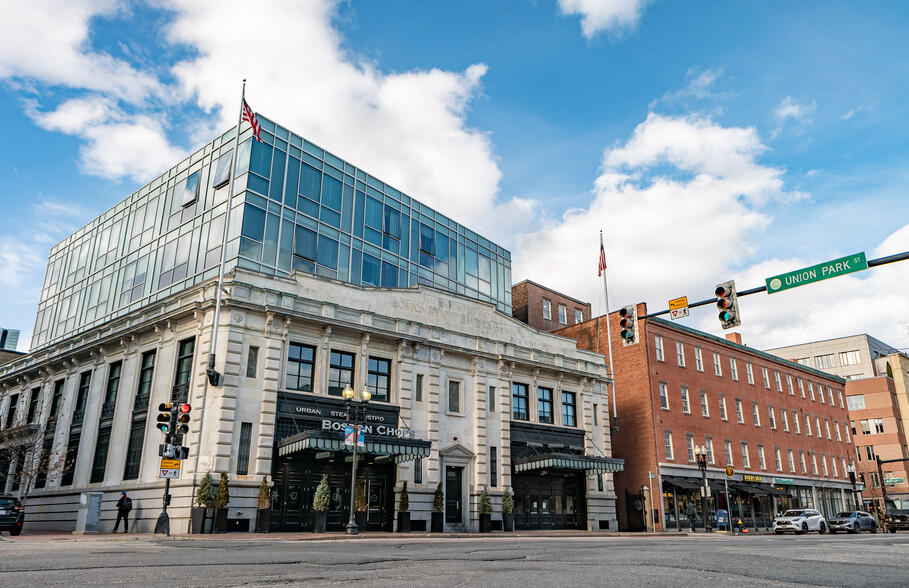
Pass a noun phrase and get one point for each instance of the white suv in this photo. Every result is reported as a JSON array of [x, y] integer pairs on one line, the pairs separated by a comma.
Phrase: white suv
[[800, 521]]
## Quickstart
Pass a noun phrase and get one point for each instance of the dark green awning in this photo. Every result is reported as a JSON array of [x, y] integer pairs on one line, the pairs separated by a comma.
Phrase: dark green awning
[[566, 461], [317, 440]]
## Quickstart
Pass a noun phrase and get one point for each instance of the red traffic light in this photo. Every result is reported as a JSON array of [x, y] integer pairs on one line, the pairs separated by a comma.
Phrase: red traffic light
[[184, 408]]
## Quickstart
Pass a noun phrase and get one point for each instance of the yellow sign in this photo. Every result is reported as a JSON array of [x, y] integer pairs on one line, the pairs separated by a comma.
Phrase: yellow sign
[[170, 464], [678, 303], [751, 478], [730, 472]]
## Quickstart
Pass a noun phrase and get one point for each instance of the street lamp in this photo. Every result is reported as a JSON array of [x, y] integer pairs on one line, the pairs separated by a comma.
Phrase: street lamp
[[358, 410], [700, 454], [851, 469]]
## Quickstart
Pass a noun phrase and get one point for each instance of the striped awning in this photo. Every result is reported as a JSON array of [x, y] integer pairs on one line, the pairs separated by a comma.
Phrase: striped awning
[[566, 461], [400, 450]]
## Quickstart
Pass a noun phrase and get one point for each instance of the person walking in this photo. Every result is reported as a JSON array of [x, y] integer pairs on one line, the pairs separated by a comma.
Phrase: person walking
[[124, 505], [692, 514]]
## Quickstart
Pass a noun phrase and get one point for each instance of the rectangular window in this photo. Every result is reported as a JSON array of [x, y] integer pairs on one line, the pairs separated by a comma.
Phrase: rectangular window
[[878, 426], [802, 461], [738, 412], [658, 346], [183, 373], [824, 362], [11, 411], [746, 463], [801, 387], [789, 385], [664, 396], [795, 421], [85, 380], [667, 444], [340, 372], [791, 459], [761, 461], [733, 369], [723, 407], [243, 449], [689, 443], [755, 414], [830, 394], [493, 467], [839, 394], [134, 447], [595, 412], [824, 465], [836, 428], [569, 410], [814, 463], [856, 402], [699, 359], [727, 449], [680, 353], [811, 391], [785, 419], [70, 457], [777, 460], [717, 366], [578, 317], [820, 393], [708, 445], [378, 378], [846, 431], [252, 361], [749, 373], [686, 408], [807, 425], [827, 427], [418, 393], [817, 425], [705, 411], [779, 381], [491, 400], [771, 417], [454, 396], [300, 365], [547, 310], [519, 402], [805, 361], [544, 405], [866, 427], [102, 445], [850, 357], [563, 315], [33, 402], [833, 465], [766, 377]]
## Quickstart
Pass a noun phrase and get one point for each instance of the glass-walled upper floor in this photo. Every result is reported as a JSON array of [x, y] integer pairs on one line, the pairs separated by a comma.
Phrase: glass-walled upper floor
[[297, 207]]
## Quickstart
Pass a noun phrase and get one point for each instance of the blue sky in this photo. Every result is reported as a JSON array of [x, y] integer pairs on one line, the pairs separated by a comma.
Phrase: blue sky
[[708, 140]]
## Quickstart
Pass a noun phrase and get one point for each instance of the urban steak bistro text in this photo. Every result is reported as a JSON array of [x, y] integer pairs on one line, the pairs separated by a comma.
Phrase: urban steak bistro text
[[371, 430]]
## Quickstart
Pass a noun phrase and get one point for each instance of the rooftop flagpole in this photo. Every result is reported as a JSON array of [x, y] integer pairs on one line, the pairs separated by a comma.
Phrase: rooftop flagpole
[[602, 272]]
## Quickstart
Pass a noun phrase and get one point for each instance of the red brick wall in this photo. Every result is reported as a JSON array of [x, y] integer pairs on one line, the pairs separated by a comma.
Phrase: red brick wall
[[527, 306], [880, 403]]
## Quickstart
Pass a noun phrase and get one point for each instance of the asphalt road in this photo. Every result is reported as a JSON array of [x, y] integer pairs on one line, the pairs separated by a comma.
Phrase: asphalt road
[[699, 560]]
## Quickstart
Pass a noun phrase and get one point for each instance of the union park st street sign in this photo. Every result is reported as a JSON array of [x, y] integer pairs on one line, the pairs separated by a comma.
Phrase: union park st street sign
[[817, 273]]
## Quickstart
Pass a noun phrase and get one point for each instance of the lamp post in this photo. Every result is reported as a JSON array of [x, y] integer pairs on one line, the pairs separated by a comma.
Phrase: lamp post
[[358, 410], [647, 507], [851, 469], [700, 454]]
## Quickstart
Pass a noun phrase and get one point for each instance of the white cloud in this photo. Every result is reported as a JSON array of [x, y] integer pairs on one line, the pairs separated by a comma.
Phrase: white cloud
[[700, 86], [791, 111], [615, 16], [853, 112]]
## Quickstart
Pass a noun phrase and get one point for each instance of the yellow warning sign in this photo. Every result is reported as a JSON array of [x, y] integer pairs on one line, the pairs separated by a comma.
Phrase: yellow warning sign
[[170, 464], [678, 303]]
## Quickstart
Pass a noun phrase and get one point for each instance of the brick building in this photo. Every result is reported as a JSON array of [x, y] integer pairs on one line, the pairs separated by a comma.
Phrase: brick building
[[782, 427], [545, 309]]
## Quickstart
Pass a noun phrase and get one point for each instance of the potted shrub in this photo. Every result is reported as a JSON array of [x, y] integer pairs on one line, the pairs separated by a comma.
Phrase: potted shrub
[[507, 511], [485, 511], [360, 504], [438, 506], [222, 497], [263, 508], [320, 505], [403, 514], [205, 499]]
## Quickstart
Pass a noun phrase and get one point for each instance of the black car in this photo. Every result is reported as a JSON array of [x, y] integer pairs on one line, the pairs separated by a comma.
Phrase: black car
[[897, 520], [12, 514], [852, 522]]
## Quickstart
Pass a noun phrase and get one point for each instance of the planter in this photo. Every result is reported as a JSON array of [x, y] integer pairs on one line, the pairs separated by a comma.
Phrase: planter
[[360, 518], [319, 521], [438, 522], [263, 520], [508, 522], [220, 522], [200, 520], [485, 523], [403, 522]]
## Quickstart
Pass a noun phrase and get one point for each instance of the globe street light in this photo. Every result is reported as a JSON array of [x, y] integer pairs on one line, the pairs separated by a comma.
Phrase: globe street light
[[700, 454], [358, 410]]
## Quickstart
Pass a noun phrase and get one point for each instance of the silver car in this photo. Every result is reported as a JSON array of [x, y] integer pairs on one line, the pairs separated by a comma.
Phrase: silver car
[[853, 522], [800, 520]]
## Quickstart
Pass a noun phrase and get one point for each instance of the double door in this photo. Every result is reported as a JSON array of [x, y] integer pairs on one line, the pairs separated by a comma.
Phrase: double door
[[549, 501]]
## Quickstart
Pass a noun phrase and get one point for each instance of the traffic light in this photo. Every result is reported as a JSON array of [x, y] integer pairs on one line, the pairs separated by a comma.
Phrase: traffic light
[[165, 419], [628, 319], [728, 304], [183, 419]]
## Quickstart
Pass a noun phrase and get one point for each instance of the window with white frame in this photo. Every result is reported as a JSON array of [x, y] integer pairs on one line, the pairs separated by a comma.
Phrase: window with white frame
[[547, 310], [761, 461], [827, 427], [738, 411], [733, 369], [686, 407], [817, 425], [667, 444], [805, 361], [814, 463], [789, 385], [878, 426], [795, 421], [779, 382], [824, 362], [843, 463], [727, 449], [777, 460], [850, 357], [791, 460], [830, 394], [708, 445], [807, 425], [846, 431], [755, 414], [836, 428], [705, 412], [749, 373], [820, 393], [856, 402], [699, 359], [723, 407], [664, 396], [658, 346], [772, 417], [833, 465], [578, 317], [689, 443], [802, 461], [680, 353], [563, 315], [824, 465], [839, 394], [811, 391], [785, 419], [717, 366], [766, 377], [746, 463], [801, 388]]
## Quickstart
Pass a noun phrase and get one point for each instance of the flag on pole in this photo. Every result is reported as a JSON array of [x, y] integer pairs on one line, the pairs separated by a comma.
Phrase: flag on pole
[[602, 257], [250, 117]]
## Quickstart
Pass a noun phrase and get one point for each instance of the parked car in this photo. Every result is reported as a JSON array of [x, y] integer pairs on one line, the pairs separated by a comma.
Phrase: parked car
[[897, 520], [853, 522], [12, 514], [800, 520]]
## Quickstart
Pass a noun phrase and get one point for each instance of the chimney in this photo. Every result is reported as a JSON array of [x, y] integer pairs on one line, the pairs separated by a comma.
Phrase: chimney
[[734, 337]]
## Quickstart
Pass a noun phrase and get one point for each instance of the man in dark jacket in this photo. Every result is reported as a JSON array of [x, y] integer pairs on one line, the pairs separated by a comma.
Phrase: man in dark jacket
[[124, 505], [692, 514]]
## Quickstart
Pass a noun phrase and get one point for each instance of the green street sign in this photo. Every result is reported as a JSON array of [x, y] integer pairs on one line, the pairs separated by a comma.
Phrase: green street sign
[[816, 273]]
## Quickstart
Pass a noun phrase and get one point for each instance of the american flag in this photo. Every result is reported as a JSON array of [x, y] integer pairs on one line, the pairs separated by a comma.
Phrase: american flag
[[602, 258], [250, 117]]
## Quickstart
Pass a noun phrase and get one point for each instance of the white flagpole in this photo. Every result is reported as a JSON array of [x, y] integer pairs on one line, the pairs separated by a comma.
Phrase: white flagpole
[[213, 376], [615, 414]]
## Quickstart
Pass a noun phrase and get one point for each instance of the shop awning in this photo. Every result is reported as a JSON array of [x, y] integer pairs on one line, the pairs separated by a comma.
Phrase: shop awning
[[758, 489], [684, 483], [400, 450], [566, 461]]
